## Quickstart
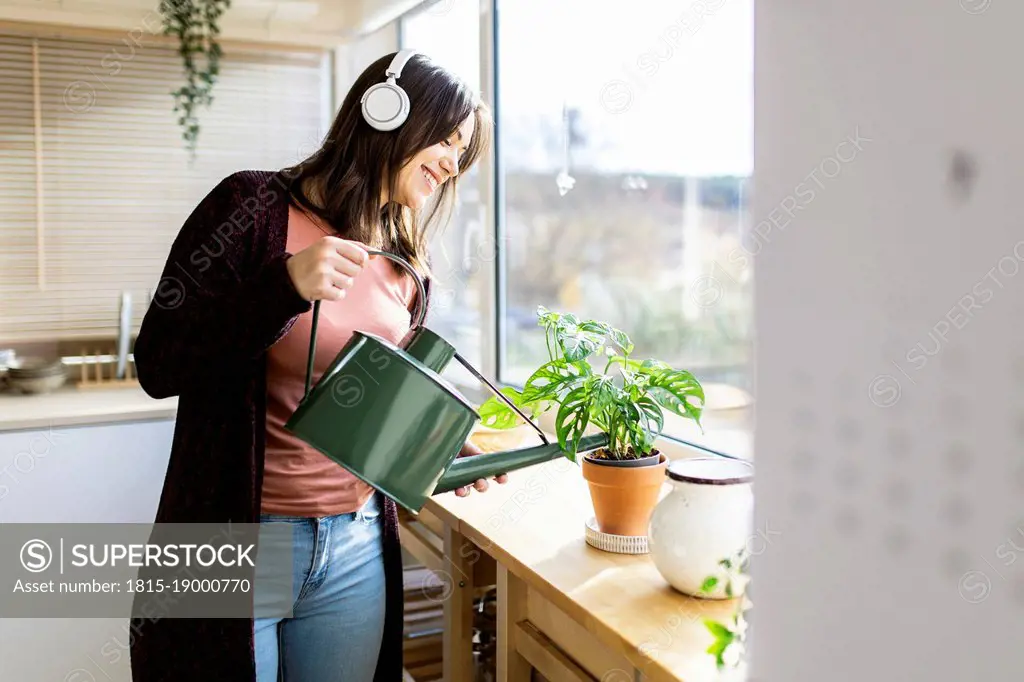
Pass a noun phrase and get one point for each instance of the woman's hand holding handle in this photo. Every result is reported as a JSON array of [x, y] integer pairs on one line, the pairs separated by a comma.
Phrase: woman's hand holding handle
[[327, 268]]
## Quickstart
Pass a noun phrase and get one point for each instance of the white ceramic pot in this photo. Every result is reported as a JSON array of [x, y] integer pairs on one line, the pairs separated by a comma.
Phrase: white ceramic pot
[[706, 517]]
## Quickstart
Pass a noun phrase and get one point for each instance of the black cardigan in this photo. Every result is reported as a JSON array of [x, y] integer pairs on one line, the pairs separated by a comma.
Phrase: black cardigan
[[224, 299]]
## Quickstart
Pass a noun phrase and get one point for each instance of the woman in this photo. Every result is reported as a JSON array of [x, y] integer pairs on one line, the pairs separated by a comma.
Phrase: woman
[[228, 332]]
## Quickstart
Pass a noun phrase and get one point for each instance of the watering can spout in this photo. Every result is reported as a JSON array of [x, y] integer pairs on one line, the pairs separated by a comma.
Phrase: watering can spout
[[466, 470]]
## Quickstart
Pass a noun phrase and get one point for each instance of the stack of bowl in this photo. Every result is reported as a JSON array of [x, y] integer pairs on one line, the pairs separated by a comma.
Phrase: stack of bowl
[[36, 375]]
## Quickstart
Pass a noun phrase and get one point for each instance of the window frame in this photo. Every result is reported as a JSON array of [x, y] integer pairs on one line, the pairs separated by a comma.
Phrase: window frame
[[489, 315]]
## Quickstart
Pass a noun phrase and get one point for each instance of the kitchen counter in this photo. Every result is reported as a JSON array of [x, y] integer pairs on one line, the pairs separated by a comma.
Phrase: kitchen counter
[[69, 406]]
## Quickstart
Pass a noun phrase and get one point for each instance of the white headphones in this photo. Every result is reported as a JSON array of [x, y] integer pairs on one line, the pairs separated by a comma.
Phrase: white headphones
[[385, 105]]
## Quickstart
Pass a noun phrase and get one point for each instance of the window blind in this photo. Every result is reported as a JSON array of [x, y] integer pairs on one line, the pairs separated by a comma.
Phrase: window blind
[[95, 181]]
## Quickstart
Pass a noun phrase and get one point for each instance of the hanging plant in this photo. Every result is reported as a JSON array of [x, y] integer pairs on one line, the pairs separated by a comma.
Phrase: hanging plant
[[194, 22]]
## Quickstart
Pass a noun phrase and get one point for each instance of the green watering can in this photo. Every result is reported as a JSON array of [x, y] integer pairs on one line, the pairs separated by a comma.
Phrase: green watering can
[[384, 413]]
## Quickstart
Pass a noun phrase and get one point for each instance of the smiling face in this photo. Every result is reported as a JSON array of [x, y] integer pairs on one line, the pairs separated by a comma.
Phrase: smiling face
[[431, 167]]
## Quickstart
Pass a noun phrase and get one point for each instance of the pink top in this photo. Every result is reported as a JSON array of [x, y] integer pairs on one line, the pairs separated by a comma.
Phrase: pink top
[[298, 480]]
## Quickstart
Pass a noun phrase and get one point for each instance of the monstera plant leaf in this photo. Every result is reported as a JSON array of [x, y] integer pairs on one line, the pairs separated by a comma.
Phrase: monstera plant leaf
[[578, 342], [678, 391], [572, 419], [650, 417], [555, 378], [496, 413]]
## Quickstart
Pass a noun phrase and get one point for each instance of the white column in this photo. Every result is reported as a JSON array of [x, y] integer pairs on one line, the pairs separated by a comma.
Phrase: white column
[[889, 296]]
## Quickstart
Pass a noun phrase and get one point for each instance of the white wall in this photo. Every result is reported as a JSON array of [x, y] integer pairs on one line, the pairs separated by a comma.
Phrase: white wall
[[889, 473], [95, 474], [350, 59]]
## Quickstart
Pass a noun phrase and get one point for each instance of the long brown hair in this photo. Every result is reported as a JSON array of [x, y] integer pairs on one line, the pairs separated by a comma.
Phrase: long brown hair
[[342, 182]]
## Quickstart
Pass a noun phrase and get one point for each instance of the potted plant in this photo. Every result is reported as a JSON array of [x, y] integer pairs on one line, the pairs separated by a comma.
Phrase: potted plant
[[624, 399]]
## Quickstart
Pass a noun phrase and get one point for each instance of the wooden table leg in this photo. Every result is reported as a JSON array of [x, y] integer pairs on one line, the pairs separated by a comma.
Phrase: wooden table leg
[[458, 609], [512, 667]]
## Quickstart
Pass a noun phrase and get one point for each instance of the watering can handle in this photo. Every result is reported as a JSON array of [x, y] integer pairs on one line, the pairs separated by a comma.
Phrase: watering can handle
[[422, 309]]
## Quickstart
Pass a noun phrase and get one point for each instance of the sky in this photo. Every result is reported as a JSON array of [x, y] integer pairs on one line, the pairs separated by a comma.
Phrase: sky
[[662, 86]]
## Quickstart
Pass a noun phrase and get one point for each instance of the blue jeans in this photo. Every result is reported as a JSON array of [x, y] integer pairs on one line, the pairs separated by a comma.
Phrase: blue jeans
[[334, 632]]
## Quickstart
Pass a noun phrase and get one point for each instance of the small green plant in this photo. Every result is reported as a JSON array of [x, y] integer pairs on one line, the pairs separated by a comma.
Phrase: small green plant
[[624, 400], [195, 23], [730, 637]]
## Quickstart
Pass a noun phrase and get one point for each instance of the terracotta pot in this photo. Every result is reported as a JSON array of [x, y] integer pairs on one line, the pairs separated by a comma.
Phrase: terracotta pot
[[624, 496]]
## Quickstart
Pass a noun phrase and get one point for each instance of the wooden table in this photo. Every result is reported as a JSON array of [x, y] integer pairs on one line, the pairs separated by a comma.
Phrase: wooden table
[[569, 610]]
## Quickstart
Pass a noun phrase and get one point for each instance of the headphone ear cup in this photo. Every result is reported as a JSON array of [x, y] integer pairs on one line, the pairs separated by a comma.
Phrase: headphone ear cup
[[385, 106]]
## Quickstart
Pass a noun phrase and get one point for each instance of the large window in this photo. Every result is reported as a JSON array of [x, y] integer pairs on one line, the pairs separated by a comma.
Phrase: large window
[[625, 142], [449, 33]]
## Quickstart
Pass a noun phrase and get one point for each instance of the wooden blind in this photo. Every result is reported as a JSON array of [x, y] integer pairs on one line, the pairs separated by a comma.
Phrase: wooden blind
[[95, 181]]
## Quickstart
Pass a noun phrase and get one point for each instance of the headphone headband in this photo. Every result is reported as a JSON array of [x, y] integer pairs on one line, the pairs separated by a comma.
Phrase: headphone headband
[[399, 62]]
